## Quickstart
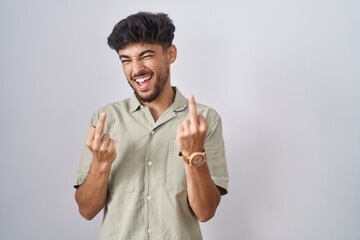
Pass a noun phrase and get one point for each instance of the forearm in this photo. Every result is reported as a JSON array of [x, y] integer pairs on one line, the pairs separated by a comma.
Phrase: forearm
[[203, 195], [91, 195]]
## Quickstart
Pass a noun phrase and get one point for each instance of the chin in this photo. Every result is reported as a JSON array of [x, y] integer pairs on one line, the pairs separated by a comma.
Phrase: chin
[[148, 98]]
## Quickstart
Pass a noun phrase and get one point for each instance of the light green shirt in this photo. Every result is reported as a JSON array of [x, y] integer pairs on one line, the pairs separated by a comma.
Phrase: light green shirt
[[147, 192]]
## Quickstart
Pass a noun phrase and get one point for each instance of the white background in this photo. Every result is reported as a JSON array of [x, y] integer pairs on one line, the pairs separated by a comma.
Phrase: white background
[[284, 76]]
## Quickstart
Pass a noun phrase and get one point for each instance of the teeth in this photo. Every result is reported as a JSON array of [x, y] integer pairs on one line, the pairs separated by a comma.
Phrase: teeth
[[142, 79]]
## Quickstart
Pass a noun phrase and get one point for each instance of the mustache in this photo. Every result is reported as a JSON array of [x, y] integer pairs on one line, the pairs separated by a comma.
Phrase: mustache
[[141, 73]]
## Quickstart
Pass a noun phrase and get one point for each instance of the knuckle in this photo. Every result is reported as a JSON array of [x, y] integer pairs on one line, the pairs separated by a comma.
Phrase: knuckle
[[102, 149], [203, 128], [95, 147], [89, 144], [183, 136]]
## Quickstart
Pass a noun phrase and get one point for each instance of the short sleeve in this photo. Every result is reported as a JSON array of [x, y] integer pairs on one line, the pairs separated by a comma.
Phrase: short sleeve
[[85, 163], [215, 152], [86, 158]]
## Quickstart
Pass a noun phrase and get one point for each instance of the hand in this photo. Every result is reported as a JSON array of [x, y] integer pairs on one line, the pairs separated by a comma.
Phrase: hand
[[100, 144], [191, 133]]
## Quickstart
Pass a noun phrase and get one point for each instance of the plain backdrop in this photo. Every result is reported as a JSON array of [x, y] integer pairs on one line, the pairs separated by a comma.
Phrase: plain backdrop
[[283, 74]]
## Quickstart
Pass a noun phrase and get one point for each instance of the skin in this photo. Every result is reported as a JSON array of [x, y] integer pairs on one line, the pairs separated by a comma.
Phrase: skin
[[203, 195], [151, 62], [91, 195]]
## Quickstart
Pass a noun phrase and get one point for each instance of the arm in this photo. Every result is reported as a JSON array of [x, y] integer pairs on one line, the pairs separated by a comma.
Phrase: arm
[[91, 195], [203, 195]]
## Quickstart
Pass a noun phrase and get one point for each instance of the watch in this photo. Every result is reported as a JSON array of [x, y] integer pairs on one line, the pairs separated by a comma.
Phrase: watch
[[196, 159]]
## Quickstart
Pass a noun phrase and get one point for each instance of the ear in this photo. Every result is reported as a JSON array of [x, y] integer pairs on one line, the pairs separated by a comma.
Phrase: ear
[[172, 53]]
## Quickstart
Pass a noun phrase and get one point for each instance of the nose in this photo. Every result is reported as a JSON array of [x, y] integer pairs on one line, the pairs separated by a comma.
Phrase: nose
[[137, 68]]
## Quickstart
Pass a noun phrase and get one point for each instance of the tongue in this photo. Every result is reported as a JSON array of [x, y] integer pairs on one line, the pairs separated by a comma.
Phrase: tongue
[[144, 84]]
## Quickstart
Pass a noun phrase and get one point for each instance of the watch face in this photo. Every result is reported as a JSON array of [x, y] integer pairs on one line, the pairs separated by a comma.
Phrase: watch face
[[197, 160]]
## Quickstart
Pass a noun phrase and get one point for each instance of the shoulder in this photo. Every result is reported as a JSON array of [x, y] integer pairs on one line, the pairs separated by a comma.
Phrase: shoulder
[[208, 112], [123, 104], [112, 110]]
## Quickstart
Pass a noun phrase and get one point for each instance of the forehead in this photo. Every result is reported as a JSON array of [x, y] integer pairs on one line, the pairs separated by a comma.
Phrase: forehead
[[136, 49]]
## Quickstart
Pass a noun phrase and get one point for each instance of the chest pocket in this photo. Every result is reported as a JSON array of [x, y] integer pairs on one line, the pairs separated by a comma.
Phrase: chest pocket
[[175, 170], [122, 178]]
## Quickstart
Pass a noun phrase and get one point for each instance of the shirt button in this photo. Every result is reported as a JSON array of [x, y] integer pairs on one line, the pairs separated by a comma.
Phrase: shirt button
[[149, 230], [152, 132], [149, 163], [149, 198]]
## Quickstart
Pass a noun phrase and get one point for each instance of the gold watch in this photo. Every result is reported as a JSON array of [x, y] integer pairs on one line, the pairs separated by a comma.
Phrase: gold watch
[[196, 159]]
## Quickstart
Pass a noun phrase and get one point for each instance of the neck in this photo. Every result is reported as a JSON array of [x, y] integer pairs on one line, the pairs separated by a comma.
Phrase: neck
[[162, 102]]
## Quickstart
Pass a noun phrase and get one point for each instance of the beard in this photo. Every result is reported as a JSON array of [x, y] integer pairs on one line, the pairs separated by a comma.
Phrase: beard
[[159, 85]]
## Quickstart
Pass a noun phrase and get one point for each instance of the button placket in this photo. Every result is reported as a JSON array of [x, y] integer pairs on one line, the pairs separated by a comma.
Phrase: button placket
[[148, 197]]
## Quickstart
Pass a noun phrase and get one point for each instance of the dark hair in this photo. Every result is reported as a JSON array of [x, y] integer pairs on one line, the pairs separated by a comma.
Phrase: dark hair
[[142, 27]]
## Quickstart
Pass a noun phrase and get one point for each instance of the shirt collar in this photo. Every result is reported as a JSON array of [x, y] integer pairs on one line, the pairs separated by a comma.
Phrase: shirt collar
[[134, 103], [179, 104]]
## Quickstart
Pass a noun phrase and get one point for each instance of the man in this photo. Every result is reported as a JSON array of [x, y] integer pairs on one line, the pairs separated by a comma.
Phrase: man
[[154, 162]]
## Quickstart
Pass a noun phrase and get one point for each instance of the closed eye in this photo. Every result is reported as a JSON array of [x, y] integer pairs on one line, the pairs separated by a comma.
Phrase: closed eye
[[147, 56], [124, 59]]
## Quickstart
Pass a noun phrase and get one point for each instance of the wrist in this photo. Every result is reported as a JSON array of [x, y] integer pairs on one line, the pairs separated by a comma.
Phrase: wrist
[[101, 166], [187, 154], [195, 159]]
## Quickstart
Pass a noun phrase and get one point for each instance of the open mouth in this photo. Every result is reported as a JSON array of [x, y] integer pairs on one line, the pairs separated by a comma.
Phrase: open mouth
[[143, 82]]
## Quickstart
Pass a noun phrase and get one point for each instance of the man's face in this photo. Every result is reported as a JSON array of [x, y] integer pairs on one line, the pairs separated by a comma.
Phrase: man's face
[[147, 68]]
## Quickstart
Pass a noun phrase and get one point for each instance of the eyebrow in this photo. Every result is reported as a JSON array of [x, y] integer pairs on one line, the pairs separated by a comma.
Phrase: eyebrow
[[140, 55]]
